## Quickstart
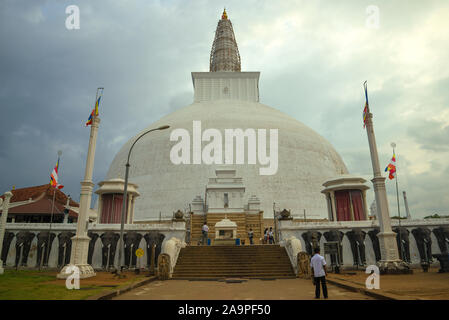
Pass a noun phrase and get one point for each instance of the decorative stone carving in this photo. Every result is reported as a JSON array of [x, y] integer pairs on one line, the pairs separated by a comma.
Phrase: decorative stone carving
[[44, 247], [64, 248], [109, 240], [23, 244], [303, 261], [403, 235], [164, 266], [335, 235], [6, 244], [357, 239], [312, 240], [153, 238], [131, 241], [285, 215], [375, 241], [93, 239], [424, 244], [178, 215]]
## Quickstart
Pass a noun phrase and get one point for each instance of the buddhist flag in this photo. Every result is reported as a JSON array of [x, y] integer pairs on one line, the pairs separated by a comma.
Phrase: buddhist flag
[[94, 112], [392, 167], [365, 110], [54, 177]]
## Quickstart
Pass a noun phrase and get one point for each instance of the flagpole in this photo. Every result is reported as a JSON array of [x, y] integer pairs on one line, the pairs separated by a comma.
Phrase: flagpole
[[390, 262], [80, 242], [393, 145], [52, 210]]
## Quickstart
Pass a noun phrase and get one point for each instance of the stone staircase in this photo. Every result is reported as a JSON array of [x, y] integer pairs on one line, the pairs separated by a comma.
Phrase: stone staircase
[[243, 221], [218, 262]]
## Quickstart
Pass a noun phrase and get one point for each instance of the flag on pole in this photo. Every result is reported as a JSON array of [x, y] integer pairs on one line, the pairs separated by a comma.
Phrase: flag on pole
[[365, 110], [391, 168], [54, 177], [94, 112]]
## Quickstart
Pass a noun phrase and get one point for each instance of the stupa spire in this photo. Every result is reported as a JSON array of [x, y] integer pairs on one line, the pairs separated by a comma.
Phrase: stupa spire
[[224, 55]]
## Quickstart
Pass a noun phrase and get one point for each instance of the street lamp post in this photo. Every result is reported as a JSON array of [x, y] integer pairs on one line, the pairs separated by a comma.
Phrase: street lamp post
[[122, 225]]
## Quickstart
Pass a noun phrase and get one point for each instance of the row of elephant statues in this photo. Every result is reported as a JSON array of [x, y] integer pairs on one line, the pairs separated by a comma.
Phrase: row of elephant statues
[[109, 243], [357, 236]]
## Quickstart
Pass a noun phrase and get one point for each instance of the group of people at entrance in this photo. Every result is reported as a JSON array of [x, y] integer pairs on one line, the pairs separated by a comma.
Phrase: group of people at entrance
[[268, 235]]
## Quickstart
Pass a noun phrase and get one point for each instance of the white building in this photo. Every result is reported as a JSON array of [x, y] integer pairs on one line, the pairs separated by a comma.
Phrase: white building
[[226, 98]]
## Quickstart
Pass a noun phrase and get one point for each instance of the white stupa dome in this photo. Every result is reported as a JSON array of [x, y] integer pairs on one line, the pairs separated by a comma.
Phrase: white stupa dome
[[229, 100]]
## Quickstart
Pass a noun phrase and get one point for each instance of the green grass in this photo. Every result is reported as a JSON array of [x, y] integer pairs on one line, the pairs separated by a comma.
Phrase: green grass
[[35, 285]]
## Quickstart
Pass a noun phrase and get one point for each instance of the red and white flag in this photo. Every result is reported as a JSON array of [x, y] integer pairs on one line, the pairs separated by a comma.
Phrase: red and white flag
[[54, 177]]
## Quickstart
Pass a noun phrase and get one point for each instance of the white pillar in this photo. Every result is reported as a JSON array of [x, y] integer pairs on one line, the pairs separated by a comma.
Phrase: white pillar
[[334, 205], [365, 206], [3, 219], [80, 242], [406, 206], [387, 238]]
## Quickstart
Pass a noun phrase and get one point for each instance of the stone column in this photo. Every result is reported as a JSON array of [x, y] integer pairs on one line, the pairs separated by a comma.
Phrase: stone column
[[390, 262], [100, 207], [3, 219], [365, 207], [351, 208], [329, 207], [406, 205], [80, 242], [334, 205]]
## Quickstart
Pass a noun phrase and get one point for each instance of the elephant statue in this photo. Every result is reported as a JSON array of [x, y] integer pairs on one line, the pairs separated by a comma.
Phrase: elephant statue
[[93, 239], [6, 244], [375, 241], [153, 238], [132, 240], [109, 240], [442, 235], [424, 244], [357, 239], [335, 235], [403, 242], [312, 240], [44, 244], [23, 245], [64, 248]]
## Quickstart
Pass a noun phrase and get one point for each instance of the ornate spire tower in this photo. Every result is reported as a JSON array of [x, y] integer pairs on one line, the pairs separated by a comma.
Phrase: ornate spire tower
[[224, 55]]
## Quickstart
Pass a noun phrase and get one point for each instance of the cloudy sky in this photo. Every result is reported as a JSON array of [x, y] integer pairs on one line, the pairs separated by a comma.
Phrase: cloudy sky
[[313, 56]]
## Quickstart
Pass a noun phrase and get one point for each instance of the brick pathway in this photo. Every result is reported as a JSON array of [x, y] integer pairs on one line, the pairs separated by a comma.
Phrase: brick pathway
[[281, 289]]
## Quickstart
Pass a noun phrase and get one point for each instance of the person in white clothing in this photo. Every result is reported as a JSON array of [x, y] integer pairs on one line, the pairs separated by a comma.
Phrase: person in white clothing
[[204, 231], [318, 265]]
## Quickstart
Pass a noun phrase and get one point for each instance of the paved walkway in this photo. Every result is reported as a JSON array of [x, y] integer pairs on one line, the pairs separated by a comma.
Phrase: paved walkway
[[281, 289], [429, 285]]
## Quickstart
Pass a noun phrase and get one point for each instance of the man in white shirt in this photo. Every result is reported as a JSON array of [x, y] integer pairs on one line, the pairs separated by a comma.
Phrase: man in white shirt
[[318, 265], [204, 230]]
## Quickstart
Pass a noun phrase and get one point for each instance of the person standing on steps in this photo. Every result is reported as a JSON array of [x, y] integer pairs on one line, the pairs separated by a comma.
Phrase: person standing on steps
[[271, 236], [251, 235], [265, 236], [318, 265], [204, 231]]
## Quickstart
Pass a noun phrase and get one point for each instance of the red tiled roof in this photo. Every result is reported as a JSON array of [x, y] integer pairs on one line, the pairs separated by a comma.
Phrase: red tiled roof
[[43, 205]]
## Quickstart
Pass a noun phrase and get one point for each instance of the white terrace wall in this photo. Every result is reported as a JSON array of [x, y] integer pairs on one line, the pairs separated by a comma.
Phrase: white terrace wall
[[289, 228], [174, 229]]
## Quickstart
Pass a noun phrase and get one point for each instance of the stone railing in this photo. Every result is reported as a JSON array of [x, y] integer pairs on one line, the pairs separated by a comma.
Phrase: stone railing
[[293, 247], [169, 256]]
